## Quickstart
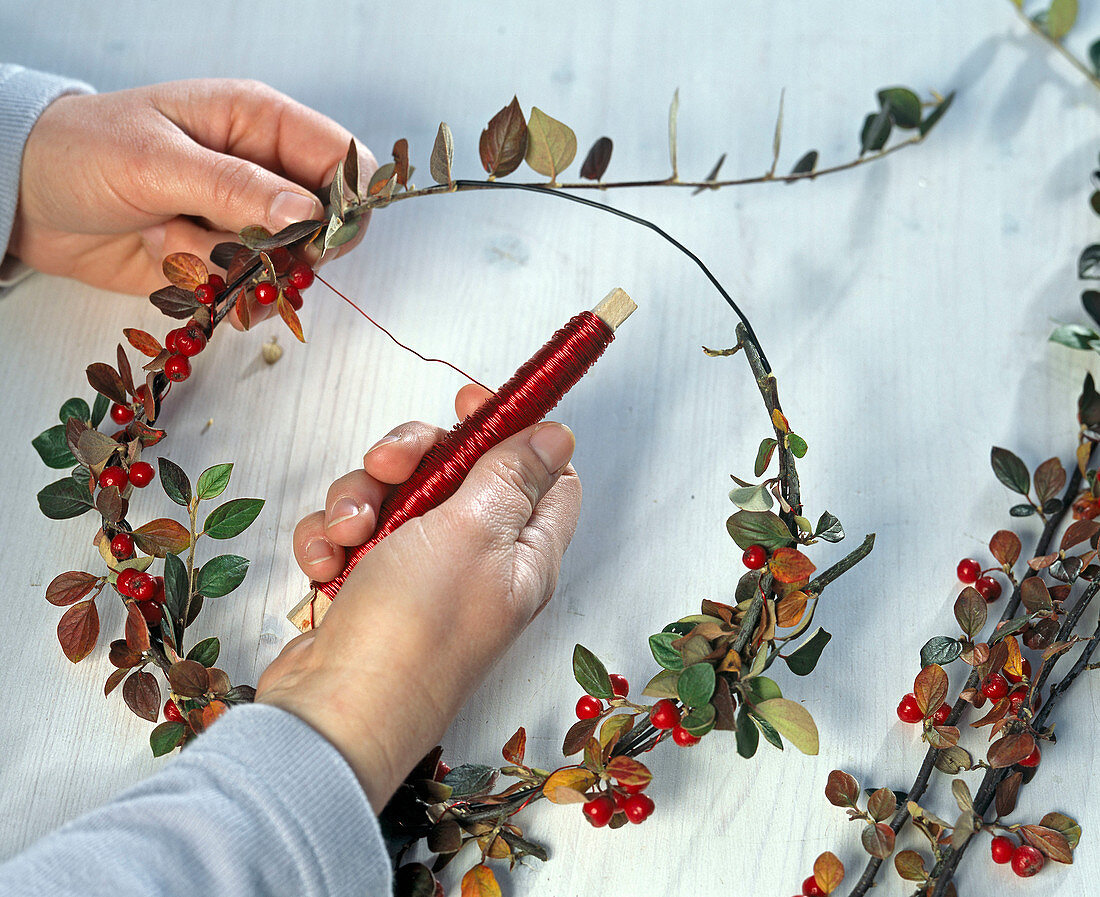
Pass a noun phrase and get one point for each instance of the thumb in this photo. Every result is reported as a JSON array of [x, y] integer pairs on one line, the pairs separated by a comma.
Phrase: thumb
[[499, 495], [234, 193]]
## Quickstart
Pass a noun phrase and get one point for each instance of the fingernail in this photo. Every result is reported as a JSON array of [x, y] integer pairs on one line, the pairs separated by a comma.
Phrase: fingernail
[[554, 444], [153, 238], [343, 510], [385, 440], [317, 551], [288, 208]]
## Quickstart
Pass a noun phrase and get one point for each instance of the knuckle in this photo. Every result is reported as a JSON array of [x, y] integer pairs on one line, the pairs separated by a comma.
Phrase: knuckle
[[233, 179]]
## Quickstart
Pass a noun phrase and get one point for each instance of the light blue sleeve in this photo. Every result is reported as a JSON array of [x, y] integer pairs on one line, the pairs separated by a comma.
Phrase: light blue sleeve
[[260, 804], [24, 94]]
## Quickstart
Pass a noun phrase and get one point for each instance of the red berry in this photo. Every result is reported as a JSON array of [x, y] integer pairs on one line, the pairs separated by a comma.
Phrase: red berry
[[217, 282], [908, 710], [664, 714], [177, 368], [293, 296], [589, 707], [1032, 759], [1017, 699], [122, 546], [1025, 666], [300, 276], [755, 557], [940, 716], [637, 807], [995, 687], [988, 588], [810, 888], [172, 713], [205, 293], [683, 737], [266, 293], [190, 344], [1027, 861], [122, 414], [142, 587], [170, 339], [1002, 849], [113, 476], [124, 582], [150, 610], [968, 571], [441, 770], [599, 810], [141, 473], [619, 685], [159, 596]]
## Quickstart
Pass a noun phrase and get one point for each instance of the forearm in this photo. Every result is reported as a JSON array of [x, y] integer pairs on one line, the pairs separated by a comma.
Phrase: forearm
[[261, 804]]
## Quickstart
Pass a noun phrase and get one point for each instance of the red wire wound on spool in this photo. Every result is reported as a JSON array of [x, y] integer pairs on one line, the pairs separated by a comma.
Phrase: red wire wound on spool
[[524, 400]]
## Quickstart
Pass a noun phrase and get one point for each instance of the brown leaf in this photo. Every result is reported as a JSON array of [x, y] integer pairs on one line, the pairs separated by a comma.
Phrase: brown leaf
[[1010, 749], [629, 772], [1042, 562], [930, 688], [145, 343], [445, 837], [841, 790], [162, 536], [124, 371], [110, 504], [244, 313], [1034, 595], [219, 681], [106, 381], [578, 735], [910, 866], [1005, 547], [724, 708], [1007, 792], [1053, 845], [597, 160], [878, 840], [882, 804], [142, 695], [189, 678], [1067, 825], [567, 786], [78, 630], [401, 161], [290, 316], [480, 882], [1079, 531], [174, 302], [503, 143], [185, 270], [123, 656], [68, 588], [1050, 477], [113, 680], [194, 719], [789, 565], [789, 610], [137, 632], [828, 872], [942, 736], [148, 436]]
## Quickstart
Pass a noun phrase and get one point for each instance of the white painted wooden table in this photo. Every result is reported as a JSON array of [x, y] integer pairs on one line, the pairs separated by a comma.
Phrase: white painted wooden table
[[904, 305]]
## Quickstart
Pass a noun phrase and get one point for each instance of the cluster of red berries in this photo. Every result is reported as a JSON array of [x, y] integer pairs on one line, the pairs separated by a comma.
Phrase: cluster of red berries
[[146, 590], [909, 711], [1025, 859], [970, 572], [299, 277], [140, 475]]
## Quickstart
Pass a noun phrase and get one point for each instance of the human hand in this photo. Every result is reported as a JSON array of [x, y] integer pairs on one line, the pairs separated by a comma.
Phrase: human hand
[[426, 612], [113, 182]]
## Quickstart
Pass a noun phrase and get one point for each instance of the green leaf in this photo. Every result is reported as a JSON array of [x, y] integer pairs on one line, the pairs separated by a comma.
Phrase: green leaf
[[1088, 404], [53, 448], [99, 409], [1060, 18], [764, 455], [875, 132], [1021, 511], [829, 528], [1010, 470], [77, 408], [761, 688], [174, 482], [663, 685], [936, 114], [590, 673], [747, 735], [666, 656], [792, 721], [1075, 336], [700, 720], [1088, 263], [165, 737], [941, 649], [805, 658], [232, 518], [758, 528], [902, 104], [768, 731], [551, 145], [175, 585], [213, 480], [221, 575], [752, 498], [696, 684], [797, 445], [64, 499], [1094, 56], [206, 652], [469, 779]]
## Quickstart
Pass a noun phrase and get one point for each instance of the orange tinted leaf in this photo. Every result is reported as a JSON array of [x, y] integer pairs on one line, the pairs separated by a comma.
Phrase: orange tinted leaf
[[185, 270], [930, 688], [789, 610], [145, 343], [212, 711], [480, 882], [137, 632], [162, 536], [78, 630], [779, 421], [68, 588], [841, 789], [1078, 532], [1005, 547], [629, 772], [287, 313], [828, 872], [244, 313], [514, 749], [1010, 749], [567, 786], [878, 840], [789, 565], [401, 161]]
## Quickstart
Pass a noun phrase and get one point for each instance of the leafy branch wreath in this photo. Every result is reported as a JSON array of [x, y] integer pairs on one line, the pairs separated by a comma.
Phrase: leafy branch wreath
[[712, 664]]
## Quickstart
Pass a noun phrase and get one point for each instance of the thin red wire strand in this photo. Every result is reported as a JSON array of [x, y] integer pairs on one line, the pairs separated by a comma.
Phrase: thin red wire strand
[[524, 400], [395, 339]]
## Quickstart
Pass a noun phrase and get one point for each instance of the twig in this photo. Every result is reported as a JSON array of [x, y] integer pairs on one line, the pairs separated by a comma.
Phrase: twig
[[1059, 46], [818, 583]]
